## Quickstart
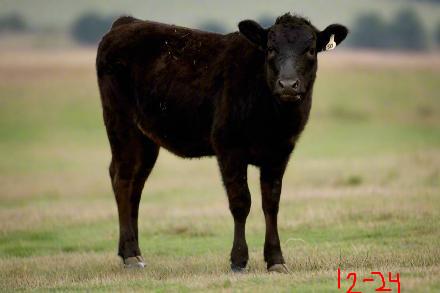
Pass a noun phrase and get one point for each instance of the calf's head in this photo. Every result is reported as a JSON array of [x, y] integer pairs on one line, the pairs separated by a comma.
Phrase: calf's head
[[291, 46]]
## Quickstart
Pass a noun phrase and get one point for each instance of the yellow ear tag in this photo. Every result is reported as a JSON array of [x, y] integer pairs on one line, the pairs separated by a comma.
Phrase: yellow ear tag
[[331, 44]]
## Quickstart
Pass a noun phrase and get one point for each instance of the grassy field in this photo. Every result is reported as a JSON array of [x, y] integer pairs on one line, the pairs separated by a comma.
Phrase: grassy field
[[362, 191]]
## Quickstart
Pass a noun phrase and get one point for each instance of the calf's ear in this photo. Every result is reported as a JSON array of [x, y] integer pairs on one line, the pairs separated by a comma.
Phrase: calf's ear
[[332, 36], [252, 31]]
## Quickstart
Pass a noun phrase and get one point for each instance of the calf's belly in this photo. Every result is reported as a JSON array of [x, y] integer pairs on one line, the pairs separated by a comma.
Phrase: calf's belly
[[182, 140]]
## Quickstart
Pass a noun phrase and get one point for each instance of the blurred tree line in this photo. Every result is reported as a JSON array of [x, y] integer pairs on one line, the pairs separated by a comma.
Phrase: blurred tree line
[[431, 1], [13, 23], [437, 33], [90, 27], [405, 31]]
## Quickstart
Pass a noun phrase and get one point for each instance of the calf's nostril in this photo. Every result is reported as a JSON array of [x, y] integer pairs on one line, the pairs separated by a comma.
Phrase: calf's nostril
[[295, 85], [281, 83]]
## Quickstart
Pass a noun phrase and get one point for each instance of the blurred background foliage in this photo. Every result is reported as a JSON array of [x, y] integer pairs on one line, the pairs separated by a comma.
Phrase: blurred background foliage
[[89, 27], [405, 32], [411, 25], [12, 23]]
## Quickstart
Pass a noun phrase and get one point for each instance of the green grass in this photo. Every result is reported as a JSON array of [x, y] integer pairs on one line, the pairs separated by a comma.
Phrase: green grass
[[362, 192]]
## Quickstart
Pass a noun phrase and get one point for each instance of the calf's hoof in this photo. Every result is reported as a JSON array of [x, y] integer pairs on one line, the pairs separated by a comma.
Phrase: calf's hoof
[[134, 262], [238, 268], [278, 268]]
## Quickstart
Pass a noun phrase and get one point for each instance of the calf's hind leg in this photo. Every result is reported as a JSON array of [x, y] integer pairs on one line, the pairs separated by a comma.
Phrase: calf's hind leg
[[133, 157]]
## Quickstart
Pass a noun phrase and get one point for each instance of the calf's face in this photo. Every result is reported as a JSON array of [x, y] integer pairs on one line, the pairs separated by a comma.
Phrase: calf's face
[[291, 50]]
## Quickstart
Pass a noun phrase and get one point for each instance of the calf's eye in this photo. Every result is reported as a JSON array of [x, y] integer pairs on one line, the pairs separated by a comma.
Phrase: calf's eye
[[311, 52], [271, 52]]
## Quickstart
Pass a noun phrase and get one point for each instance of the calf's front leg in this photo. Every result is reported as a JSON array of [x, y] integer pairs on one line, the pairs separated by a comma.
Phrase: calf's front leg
[[271, 182], [234, 175]]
